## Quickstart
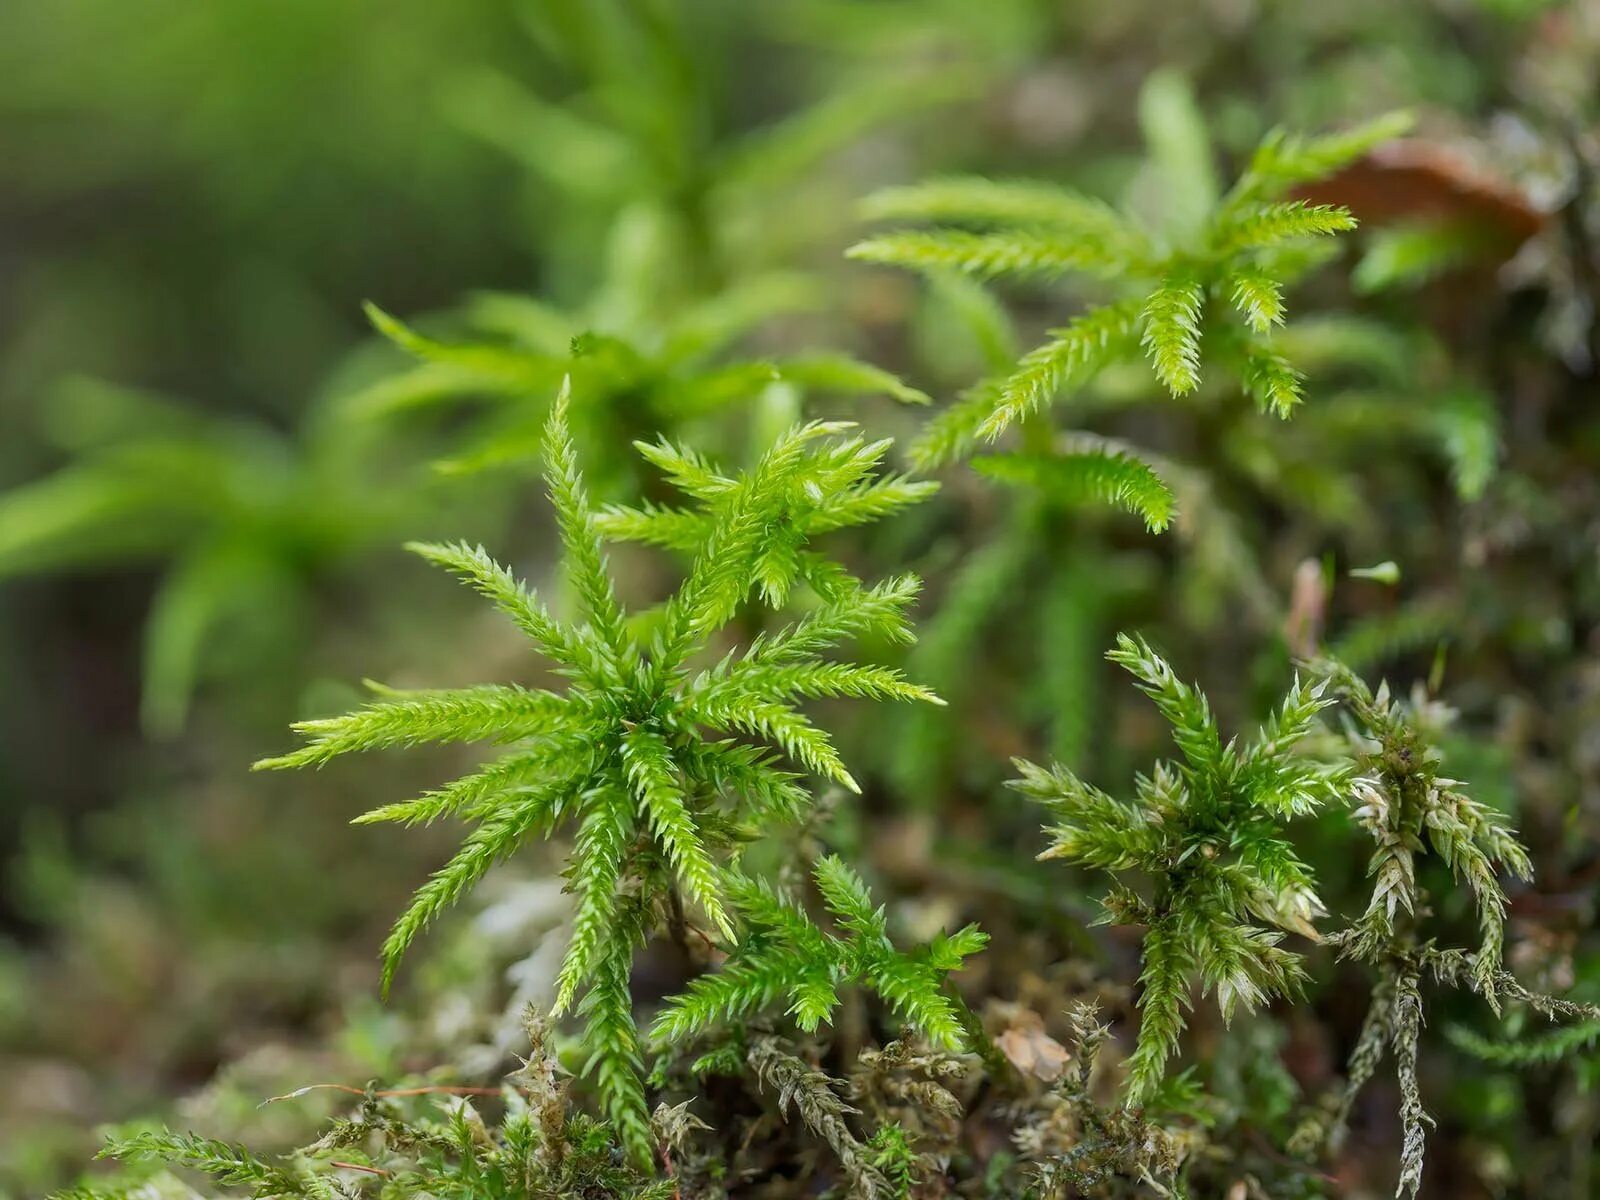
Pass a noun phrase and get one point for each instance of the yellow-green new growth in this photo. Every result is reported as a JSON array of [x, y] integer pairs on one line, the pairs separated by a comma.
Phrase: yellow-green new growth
[[790, 958], [640, 751], [1208, 831], [1237, 256]]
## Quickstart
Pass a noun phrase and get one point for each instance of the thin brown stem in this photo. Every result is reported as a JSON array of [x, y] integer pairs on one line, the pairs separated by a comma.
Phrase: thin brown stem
[[436, 1090]]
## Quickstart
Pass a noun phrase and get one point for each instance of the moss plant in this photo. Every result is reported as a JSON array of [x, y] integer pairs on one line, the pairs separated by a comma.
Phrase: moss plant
[[810, 1039]]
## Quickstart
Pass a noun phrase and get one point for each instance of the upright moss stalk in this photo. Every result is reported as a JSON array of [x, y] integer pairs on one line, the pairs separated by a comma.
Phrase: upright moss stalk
[[645, 753]]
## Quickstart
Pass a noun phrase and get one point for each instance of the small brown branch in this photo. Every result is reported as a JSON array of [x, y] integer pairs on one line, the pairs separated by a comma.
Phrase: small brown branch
[[672, 1174], [350, 1166], [437, 1090]]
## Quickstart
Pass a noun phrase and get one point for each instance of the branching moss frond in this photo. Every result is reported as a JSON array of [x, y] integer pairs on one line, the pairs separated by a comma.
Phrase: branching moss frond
[[486, 712], [629, 751], [1184, 706], [1208, 834], [1267, 225], [1552, 1046], [1088, 469], [1283, 159], [1074, 352], [1257, 296], [990, 203], [1037, 253], [1171, 331], [498, 585], [230, 1165], [1234, 258], [786, 955], [1270, 380], [500, 835]]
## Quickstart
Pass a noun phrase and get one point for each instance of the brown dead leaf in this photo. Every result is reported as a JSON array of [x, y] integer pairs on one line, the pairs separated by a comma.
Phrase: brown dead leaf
[[1416, 179], [1031, 1050]]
